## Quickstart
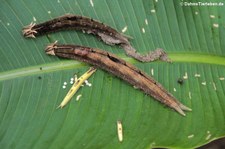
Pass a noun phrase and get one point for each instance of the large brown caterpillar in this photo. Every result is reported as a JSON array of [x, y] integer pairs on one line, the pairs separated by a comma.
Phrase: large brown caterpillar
[[90, 26], [120, 68]]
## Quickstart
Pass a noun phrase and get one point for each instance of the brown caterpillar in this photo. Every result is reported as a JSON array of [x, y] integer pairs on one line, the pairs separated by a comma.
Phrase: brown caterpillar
[[90, 26], [120, 68]]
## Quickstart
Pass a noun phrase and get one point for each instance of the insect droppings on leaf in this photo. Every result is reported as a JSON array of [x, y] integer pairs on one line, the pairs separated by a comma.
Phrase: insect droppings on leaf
[[146, 21], [214, 86], [124, 29], [203, 83], [222, 78], [143, 30], [212, 16], [152, 72], [189, 94], [180, 81], [215, 25], [185, 76], [190, 136], [87, 83], [78, 97], [91, 2], [208, 135], [197, 75], [174, 89], [153, 11]]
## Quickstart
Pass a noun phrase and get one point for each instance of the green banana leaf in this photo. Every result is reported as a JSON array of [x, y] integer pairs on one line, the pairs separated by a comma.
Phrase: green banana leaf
[[31, 82]]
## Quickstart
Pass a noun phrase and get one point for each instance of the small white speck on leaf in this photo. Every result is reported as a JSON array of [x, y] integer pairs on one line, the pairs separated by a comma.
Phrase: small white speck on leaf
[[87, 83], [124, 29], [78, 97], [174, 89], [152, 72], [153, 11], [197, 75], [189, 94], [203, 83], [212, 16], [222, 78], [34, 19], [214, 86], [190, 136], [49, 12], [215, 25], [146, 21], [185, 76], [91, 2], [143, 30], [196, 12], [208, 136]]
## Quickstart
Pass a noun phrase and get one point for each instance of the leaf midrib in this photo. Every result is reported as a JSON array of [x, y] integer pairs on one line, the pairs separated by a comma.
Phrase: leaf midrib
[[70, 64]]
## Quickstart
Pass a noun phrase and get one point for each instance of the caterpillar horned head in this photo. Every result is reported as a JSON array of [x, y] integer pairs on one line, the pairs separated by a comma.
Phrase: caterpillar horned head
[[50, 48], [28, 30]]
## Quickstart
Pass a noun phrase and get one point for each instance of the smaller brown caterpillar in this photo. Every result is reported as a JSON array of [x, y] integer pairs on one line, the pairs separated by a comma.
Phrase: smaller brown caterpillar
[[120, 68], [90, 26]]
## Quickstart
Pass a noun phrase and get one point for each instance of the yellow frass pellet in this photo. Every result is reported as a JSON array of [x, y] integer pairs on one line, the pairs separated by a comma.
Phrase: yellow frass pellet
[[120, 130]]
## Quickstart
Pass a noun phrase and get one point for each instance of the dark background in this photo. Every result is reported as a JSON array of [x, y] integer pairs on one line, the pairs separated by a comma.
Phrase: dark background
[[217, 144]]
